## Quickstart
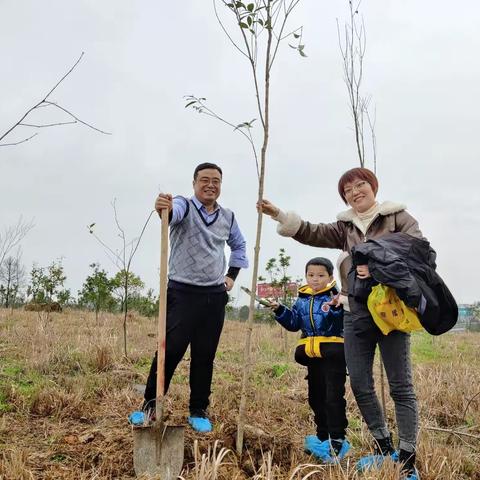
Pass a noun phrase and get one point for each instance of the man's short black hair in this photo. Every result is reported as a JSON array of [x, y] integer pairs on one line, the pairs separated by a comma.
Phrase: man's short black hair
[[204, 166], [321, 261]]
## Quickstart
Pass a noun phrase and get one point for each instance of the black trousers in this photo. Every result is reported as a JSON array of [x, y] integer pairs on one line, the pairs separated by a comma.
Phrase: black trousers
[[326, 391], [195, 319]]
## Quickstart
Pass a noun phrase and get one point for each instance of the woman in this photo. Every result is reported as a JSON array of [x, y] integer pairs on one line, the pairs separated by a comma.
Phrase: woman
[[366, 219]]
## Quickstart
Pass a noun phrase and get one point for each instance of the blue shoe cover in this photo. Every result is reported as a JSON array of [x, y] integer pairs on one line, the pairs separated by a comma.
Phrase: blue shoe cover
[[200, 424], [137, 418], [374, 461], [344, 450], [320, 450]]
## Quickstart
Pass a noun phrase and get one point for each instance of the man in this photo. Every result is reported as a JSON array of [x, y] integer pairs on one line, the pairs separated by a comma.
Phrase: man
[[197, 286]]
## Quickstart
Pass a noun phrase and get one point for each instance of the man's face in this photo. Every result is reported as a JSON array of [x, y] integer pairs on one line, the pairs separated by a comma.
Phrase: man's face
[[207, 186]]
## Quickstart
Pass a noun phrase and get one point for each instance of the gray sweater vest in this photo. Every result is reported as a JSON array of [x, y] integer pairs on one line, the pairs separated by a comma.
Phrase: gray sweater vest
[[197, 255]]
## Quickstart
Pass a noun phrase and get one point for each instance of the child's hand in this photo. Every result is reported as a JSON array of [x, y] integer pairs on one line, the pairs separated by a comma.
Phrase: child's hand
[[335, 301], [273, 305], [363, 272]]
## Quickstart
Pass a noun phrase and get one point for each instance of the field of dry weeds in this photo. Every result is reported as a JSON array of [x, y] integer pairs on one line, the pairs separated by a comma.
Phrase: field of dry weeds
[[66, 391]]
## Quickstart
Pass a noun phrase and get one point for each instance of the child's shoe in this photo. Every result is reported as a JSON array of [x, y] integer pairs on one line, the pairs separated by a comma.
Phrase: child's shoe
[[316, 447], [383, 449], [326, 451], [339, 448], [199, 421]]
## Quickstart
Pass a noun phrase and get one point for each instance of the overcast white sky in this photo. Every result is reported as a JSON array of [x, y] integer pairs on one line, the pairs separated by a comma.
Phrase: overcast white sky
[[141, 58]]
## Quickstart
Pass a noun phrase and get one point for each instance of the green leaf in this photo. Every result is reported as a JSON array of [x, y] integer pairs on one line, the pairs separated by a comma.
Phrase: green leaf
[[239, 5], [260, 21], [302, 53], [250, 7], [249, 21], [292, 46], [243, 25], [301, 47], [296, 35], [190, 103]]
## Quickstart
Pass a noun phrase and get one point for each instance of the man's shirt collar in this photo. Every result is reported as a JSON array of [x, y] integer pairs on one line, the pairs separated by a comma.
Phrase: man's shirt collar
[[201, 206]]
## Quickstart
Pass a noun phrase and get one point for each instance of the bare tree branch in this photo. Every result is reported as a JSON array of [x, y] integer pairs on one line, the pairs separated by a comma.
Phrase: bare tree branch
[[45, 102], [224, 29], [453, 432], [198, 103], [19, 142], [78, 119], [352, 49], [46, 125], [122, 260], [12, 236]]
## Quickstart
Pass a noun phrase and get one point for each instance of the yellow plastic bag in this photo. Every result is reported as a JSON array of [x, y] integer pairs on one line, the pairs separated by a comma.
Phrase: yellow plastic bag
[[390, 313]]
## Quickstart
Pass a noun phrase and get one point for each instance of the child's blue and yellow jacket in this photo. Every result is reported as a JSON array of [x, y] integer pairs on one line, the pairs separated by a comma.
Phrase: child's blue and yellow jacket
[[319, 322]]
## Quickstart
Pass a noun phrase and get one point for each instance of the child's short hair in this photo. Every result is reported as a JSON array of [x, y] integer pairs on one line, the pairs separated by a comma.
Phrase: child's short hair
[[321, 261]]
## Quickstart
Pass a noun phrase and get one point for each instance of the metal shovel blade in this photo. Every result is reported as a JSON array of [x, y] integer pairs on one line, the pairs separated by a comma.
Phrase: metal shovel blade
[[158, 453]]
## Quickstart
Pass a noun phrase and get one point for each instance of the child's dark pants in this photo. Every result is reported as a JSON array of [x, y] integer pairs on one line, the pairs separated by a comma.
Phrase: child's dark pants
[[326, 391]]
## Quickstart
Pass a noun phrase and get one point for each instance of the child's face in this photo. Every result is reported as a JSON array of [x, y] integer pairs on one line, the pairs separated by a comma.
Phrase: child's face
[[317, 277]]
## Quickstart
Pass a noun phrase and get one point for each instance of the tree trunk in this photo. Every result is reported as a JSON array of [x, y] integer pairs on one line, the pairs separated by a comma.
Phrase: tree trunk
[[253, 288], [125, 305]]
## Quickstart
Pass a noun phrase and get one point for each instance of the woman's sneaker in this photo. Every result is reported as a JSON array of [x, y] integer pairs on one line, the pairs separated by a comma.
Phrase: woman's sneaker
[[414, 475], [407, 459]]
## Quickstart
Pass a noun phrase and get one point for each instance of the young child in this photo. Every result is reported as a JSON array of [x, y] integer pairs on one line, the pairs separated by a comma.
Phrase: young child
[[317, 313]]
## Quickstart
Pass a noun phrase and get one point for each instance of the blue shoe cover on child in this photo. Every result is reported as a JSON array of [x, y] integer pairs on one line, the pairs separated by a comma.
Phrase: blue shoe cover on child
[[374, 461], [320, 450], [344, 450], [200, 424], [313, 445], [137, 418]]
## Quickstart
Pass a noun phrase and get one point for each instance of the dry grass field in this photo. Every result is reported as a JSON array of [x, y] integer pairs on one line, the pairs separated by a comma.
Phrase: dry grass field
[[66, 392]]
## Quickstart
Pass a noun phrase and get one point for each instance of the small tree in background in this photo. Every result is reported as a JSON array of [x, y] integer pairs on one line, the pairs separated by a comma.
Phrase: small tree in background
[[47, 284], [277, 270], [353, 42], [146, 305], [11, 237], [259, 28], [12, 280], [122, 259], [243, 313], [96, 293]]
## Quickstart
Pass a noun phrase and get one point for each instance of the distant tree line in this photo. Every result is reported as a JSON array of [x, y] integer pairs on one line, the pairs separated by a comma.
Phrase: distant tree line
[[99, 292]]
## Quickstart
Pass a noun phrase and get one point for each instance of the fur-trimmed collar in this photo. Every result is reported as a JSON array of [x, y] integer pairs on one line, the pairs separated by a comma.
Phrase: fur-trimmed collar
[[385, 208]]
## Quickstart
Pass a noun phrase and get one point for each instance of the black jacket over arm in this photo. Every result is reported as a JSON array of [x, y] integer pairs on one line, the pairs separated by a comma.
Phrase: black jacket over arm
[[406, 264]]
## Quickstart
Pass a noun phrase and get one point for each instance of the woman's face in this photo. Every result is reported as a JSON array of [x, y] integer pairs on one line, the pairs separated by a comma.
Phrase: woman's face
[[359, 195]]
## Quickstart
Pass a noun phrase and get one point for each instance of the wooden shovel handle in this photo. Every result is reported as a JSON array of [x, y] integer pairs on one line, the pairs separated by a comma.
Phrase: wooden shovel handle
[[162, 315]]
